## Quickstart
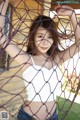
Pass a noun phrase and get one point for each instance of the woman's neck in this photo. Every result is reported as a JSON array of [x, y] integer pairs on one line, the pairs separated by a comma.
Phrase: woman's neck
[[45, 57]]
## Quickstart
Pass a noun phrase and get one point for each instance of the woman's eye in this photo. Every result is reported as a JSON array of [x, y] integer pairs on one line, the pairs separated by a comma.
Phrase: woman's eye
[[40, 36], [50, 37]]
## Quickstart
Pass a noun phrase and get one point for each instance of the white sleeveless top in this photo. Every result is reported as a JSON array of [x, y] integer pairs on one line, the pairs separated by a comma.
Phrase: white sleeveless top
[[42, 84]]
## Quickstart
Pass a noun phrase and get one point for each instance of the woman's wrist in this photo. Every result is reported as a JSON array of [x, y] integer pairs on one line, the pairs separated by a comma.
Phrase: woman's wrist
[[73, 14], [74, 20], [76, 27]]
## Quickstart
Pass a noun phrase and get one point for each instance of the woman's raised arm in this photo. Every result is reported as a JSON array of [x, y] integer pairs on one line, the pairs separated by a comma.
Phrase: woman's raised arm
[[18, 54], [68, 11], [3, 9], [75, 48]]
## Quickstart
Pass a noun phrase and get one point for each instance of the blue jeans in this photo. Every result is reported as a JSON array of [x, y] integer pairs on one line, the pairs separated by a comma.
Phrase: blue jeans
[[22, 115]]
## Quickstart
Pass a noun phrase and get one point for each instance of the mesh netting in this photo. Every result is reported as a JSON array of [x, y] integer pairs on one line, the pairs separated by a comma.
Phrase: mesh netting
[[13, 88]]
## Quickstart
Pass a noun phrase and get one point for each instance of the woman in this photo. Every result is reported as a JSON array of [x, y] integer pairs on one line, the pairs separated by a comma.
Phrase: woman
[[41, 63]]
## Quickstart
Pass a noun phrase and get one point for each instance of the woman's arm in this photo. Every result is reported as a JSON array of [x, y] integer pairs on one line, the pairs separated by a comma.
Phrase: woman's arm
[[3, 8], [68, 11], [16, 53], [76, 26], [75, 48]]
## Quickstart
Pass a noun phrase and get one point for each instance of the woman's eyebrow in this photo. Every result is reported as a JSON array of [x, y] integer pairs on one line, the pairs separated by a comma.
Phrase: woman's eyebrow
[[40, 33]]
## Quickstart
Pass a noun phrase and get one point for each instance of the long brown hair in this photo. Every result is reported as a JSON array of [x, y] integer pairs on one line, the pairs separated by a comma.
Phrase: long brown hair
[[48, 24]]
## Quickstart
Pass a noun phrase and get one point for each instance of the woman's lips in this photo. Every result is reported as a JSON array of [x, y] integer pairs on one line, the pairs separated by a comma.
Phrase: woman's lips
[[44, 47]]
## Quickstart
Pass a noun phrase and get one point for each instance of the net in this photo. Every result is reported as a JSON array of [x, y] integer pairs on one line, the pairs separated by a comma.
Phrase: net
[[13, 87]]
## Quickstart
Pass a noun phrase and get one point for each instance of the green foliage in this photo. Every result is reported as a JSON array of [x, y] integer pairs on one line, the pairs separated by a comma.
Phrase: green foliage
[[64, 106]]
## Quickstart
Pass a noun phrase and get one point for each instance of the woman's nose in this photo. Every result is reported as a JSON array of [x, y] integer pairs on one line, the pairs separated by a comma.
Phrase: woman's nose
[[44, 41]]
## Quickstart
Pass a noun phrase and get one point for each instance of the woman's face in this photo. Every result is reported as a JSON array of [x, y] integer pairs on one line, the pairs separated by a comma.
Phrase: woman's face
[[43, 40]]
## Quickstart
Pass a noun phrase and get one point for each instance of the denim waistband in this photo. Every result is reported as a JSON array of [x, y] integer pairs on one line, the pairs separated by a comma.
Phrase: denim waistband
[[22, 115]]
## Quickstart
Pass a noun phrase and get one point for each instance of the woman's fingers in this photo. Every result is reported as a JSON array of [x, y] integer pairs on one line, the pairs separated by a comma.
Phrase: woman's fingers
[[63, 10], [57, 8]]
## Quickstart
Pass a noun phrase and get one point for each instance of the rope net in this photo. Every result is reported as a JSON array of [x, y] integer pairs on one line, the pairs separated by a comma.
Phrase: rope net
[[13, 87]]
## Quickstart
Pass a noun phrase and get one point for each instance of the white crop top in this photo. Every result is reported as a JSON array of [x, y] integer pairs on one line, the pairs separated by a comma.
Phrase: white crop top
[[42, 84]]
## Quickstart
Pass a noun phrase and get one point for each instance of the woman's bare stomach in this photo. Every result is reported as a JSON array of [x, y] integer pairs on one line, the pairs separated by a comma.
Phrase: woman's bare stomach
[[39, 110]]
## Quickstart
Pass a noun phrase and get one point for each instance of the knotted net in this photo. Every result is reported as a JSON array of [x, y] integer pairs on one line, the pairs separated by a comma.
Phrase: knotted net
[[12, 87]]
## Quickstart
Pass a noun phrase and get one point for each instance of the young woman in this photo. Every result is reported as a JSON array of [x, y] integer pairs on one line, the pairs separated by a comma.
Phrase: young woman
[[41, 63]]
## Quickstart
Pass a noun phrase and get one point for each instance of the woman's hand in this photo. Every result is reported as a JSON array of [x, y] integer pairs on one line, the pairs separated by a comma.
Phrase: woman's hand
[[68, 11], [64, 10]]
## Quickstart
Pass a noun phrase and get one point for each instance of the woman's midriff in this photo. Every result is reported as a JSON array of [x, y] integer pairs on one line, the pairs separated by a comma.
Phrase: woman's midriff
[[40, 110]]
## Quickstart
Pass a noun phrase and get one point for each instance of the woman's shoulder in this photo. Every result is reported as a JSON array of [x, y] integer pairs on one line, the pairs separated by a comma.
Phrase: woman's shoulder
[[26, 61]]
